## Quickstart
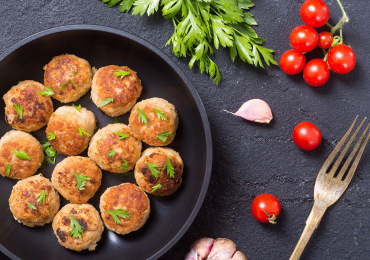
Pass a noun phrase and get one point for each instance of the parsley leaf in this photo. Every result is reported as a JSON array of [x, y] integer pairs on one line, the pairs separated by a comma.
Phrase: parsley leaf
[[127, 174], [65, 84], [111, 153], [47, 91], [32, 206], [163, 136], [83, 132], [116, 120], [122, 135], [76, 230], [50, 153], [142, 117], [41, 197], [19, 110], [21, 155], [105, 102], [153, 170], [77, 107], [160, 114], [156, 187], [121, 73], [8, 168], [169, 167], [81, 180], [75, 72], [124, 165], [51, 136], [118, 213]]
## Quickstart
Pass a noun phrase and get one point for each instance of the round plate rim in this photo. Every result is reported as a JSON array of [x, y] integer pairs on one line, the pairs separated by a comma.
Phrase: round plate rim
[[194, 93]]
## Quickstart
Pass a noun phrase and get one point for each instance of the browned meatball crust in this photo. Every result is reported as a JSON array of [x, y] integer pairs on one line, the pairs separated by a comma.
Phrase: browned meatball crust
[[88, 217], [67, 123], [110, 152], [37, 109], [32, 191], [24, 142], [71, 69], [148, 132], [166, 183], [129, 197], [65, 181], [124, 91]]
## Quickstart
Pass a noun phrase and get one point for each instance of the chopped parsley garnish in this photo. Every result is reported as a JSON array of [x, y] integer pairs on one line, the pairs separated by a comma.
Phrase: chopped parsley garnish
[[47, 91], [50, 153], [169, 167], [122, 135], [142, 117], [111, 153], [105, 102], [51, 136], [41, 197], [153, 170], [118, 213], [81, 180], [32, 206], [76, 230], [121, 73], [19, 110], [160, 114], [75, 72], [77, 107], [65, 84], [163, 136], [156, 187], [83, 132], [124, 165], [21, 155], [8, 167]]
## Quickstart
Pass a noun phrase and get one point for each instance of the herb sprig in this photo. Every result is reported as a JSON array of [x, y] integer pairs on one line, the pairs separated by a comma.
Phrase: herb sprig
[[142, 117], [77, 230], [81, 180], [32, 206], [118, 213], [156, 187], [163, 136], [124, 165], [160, 114], [121, 73], [83, 132], [49, 152], [8, 168], [19, 110], [65, 84], [48, 91], [153, 170], [21, 155], [105, 102], [41, 197], [169, 167], [122, 135]]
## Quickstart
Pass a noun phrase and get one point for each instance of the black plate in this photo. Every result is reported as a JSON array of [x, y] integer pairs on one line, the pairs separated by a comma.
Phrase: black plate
[[171, 216]]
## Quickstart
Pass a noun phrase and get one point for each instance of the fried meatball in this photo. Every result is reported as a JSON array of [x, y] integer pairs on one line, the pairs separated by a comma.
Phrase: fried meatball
[[65, 182], [37, 108], [164, 182], [86, 216], [33, 201], [69, 76], [162, 121], [113, 151], [124, 91], [130, 198], [72, 129], [17, 143]]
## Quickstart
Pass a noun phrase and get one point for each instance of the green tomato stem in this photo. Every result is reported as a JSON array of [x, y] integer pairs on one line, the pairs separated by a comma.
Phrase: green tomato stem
[[329, 25]]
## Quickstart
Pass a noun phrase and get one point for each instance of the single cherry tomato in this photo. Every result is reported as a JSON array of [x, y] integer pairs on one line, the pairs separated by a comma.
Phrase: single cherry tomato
[[315, 13], [304, 38], [316, 73], [292, 62], [325, 40], [266, 208], [341, 59], [306, 136]]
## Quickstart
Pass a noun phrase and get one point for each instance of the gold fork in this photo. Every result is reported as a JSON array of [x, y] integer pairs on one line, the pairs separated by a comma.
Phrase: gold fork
[[328, 188]]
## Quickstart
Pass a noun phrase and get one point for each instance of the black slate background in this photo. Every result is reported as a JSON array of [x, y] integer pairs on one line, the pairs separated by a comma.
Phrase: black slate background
[[249, 158]]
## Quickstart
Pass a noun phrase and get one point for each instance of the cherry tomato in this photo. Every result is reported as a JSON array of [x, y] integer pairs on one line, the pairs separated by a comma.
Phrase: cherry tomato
[[304, 38], [316, 72], [325, 40], [266, 208], [292, 62], [315, 13], [341, 59], [306, 136]]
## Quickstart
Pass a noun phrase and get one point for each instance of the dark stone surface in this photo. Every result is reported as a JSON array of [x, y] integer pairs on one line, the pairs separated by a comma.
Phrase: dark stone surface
[[250, 158]]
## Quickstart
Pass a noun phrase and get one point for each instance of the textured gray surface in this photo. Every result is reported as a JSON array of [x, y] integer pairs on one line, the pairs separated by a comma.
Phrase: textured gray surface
[[249, 158]]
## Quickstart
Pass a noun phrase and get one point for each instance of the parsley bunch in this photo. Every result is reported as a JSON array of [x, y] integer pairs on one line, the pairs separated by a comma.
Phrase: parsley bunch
[[198, 23]]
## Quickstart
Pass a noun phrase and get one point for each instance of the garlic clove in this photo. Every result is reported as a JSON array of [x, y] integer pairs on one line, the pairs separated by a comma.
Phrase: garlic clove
[[255, 110]]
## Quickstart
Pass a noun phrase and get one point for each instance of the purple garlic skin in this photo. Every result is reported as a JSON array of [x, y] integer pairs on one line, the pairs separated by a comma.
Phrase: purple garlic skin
[[255, 110], [200, 249]]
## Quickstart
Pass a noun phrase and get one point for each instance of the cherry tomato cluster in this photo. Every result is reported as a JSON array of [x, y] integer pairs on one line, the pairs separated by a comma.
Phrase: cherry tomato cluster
[[339, 58]]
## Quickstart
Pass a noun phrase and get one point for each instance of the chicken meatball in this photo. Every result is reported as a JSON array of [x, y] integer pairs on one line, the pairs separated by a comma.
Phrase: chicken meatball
[[124, 208], [118, 83], [155, 121], [77, 179], [115, 148], [33, 201], [35, 109], [69, 76], [78, 227], [20, 155], [70, 130], [159, 170]]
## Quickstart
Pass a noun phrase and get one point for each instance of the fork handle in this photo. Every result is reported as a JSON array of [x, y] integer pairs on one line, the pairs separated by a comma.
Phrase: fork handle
[[312, 222]]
